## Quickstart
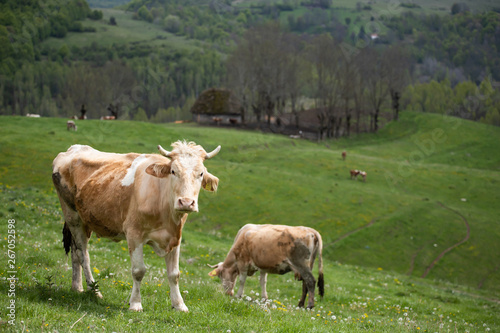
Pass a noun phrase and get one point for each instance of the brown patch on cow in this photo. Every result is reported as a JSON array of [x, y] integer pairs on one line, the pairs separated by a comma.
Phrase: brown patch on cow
[[282, 268], [300, 251], [64, 192], [100, 228]]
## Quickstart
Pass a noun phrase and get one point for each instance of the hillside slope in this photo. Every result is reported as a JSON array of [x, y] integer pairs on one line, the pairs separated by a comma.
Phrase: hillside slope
[[429, 180], [409, 217]]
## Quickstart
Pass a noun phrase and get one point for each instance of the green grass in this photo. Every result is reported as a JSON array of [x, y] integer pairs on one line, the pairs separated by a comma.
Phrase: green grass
[[266, 178], [126, 31]]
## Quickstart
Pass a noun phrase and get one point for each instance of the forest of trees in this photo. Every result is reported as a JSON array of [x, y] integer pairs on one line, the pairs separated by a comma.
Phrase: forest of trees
[[446, 64], [272, 70], [56, 82], [465, 42]]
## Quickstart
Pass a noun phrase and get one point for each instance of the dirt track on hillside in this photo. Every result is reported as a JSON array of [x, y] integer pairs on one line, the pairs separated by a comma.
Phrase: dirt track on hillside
[[433, 263]]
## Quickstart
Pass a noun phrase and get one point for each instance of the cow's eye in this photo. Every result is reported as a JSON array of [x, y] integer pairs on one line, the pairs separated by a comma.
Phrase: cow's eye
[[201, 174], [173, 172]]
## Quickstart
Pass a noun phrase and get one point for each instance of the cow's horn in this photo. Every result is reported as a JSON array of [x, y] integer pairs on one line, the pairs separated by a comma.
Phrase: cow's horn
[[213, 153], [164, 152], [213, 266]]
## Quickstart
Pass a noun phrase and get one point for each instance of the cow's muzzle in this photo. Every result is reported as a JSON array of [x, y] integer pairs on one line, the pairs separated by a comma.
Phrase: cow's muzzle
[[186, 205]]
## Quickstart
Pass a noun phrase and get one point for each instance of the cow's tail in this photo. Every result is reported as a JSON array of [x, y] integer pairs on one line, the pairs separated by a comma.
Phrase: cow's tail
[[321, 279], [67, 238]]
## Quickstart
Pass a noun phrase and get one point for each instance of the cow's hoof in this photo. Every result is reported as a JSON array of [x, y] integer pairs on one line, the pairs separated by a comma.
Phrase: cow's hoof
[[135, 307], [181, 307], [301, 304]]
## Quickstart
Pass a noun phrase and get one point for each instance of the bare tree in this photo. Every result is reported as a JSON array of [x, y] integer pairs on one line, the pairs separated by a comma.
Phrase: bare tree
[[397, 65], [358, 89], [348, 75], [239, 77], [122, 81], [375, 77], [297, 76], [325, 56], [87, 86], [264, 45]]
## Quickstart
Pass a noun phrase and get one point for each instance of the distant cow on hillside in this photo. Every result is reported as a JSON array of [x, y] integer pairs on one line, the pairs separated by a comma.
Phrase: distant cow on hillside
[[70, 125], [356, 173], [344, 154], [273, 249], [363, 174]]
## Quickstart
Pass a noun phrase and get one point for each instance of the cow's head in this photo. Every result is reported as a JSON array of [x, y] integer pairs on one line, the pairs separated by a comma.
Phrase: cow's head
[[187, 174], [227, 275]]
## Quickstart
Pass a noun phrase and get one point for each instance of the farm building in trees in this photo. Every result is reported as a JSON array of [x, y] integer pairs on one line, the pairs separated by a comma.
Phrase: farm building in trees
[[217, 106]]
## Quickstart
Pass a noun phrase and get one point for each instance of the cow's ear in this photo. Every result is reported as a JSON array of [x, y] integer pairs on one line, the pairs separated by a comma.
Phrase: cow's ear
[[160, 170], [210, 182], [213, 273]]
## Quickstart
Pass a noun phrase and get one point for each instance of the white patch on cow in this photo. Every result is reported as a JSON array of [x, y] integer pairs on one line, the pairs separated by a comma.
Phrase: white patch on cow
[[130, 176], [75, 149]]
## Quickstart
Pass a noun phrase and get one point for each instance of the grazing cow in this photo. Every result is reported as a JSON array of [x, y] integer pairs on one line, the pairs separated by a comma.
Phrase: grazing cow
[[233, 121], [143, 198], [363, 174], [217, 120], [273, 249], [356, 173], [108, 118], [70, 125], [344, 154]]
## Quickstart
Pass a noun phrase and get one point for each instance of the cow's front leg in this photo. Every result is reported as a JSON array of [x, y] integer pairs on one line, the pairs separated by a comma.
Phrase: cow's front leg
[[263, 282], [243, 278], [172, 261], [138, 272]]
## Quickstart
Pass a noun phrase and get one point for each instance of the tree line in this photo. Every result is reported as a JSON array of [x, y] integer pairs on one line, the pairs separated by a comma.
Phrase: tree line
[[465, 100], [352, 87], [272, 71], [161, 86]]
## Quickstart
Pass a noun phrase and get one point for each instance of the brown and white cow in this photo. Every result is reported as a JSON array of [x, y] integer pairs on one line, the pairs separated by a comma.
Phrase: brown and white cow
[[354, 174], [273, 249], [363, 174], [70, 125], [143, 198]]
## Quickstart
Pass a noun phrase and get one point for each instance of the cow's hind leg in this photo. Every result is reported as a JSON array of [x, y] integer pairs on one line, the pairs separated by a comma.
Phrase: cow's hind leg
[[79, 254], [308, 284], [81, 240], [69, 245], [75, 237]]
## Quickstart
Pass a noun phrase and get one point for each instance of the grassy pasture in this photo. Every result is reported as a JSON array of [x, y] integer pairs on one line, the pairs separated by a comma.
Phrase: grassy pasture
[[126, 31], [379, 236]]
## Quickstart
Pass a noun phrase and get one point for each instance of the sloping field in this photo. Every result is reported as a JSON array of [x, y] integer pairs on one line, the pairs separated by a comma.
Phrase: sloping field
[[428, 207]]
